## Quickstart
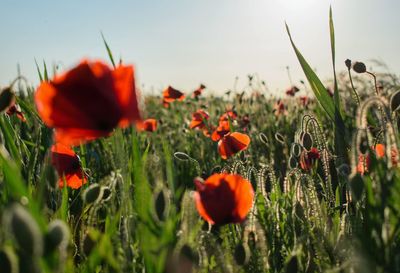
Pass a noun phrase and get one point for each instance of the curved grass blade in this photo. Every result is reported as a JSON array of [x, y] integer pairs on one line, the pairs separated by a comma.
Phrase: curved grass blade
[[318, 88]]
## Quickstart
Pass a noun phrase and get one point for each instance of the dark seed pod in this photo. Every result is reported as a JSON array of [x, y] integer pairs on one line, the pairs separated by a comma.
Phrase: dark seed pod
[[160, 204], [292, 162], [296, 149], [242, 254], [8, 261], [359, 67], [24, 229], [395, 101], [348, 63], [92, 194], [190, 254], [306, 140], [357, 187], [7, 98], [57, 236]]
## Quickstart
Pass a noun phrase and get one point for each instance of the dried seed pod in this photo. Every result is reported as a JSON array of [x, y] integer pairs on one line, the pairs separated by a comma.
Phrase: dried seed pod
[[24, 229], [359, 67], [292, 162], [92, 194], [7, 98], [242, 254], [395, 101], [57, 236], [8, 261], [306, 140]]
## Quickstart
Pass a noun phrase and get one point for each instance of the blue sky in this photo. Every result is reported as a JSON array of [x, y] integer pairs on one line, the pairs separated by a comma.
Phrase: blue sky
[[184, 43]]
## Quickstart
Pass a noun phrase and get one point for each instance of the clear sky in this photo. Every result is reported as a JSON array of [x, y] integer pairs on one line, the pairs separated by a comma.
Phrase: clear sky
[[183, 43]]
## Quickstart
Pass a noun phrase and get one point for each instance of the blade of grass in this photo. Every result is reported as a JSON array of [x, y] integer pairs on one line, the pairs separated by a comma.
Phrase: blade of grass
[[110, 55], [38, 71]]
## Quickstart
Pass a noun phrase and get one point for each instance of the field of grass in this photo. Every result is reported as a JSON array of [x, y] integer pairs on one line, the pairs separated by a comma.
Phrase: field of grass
[[324, 169]]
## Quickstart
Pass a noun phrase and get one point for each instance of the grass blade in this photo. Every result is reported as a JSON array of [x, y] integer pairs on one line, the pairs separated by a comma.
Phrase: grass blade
[[110, 55]]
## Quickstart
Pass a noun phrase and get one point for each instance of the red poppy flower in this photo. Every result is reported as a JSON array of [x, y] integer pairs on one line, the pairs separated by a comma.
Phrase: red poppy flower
[[68, 166], [14, 109], [149, 125], [228, 115], [279, 108], [292, 91], [222, 129], [233, 143], [364, 161], [198, 91], [170, 94], [224, 198], [198, 119], [88, 102], [304, 100], [308, 158], [244, 121]]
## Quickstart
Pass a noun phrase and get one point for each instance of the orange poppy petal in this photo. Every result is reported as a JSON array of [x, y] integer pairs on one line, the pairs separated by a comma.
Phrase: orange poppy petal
[[233, 143], [237, 195], [125, 90], [77, 136], [74, 181]]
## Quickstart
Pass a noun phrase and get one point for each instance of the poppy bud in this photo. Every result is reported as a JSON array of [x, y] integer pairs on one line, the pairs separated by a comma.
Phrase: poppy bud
[[57, 236], [242, 254], [348, 63], [292, 162], [24, 229], [8, 261], [7, 99], [357, 186], [160, 204], [296, 149], [306, 140], [395, 101], [106, 193], [87, 245], [92, 194], [359, 67], [190, 254]]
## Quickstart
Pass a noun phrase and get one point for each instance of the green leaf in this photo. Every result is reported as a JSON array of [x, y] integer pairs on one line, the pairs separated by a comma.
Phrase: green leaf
[[340, 142], [318, 88], [38, 70]]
